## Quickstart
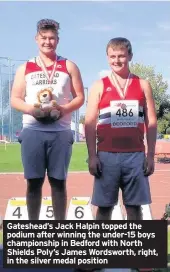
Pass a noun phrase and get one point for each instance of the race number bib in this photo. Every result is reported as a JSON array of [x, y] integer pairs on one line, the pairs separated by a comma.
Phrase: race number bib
[[124, 113]]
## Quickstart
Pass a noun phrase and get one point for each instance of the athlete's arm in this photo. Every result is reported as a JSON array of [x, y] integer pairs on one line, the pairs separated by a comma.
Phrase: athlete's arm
[[90, 126], [18, 92], [150, 121], [77, 89]]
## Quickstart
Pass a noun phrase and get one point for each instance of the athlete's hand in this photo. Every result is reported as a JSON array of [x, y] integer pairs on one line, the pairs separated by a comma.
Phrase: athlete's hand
[[63, 110], [56, 111], [149, 165], [40, 113], [95, 168], [34, 111]]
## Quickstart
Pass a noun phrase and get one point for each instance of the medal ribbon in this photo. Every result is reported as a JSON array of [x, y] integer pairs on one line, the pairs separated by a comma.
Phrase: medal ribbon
[[44, 69], [121, 92]]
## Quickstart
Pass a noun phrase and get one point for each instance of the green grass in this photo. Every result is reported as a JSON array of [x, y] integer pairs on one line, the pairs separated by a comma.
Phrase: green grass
[[10, 159], [79, 157]]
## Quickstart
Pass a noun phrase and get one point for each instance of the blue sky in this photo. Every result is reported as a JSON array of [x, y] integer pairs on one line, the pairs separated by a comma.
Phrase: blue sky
[[86, 27]]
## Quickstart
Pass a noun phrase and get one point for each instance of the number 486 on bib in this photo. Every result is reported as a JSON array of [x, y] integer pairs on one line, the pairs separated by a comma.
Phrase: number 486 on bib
[[124, 113]]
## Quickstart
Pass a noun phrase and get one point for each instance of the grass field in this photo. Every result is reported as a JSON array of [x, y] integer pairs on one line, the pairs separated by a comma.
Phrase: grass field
[[10, 159]]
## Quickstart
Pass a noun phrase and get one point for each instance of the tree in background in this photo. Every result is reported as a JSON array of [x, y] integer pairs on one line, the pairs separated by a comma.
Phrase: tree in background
[[163, 116], [159, 87]]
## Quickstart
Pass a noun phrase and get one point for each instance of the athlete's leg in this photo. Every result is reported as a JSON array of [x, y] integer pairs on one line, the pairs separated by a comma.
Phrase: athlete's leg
[[133, 212], [59, 198], [106, 188], [33, 159], [104, 213], [135, 186], [33, 197], [58, 158]]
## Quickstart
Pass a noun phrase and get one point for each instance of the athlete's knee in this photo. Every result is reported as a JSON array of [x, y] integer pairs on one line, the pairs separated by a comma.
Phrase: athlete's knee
[[105, 210], [34, 184], [104, 213], [57, 183], [133, 212]]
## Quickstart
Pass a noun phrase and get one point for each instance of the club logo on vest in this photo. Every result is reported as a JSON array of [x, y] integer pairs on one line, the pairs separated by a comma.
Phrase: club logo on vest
[[108, 89], [121, 105]]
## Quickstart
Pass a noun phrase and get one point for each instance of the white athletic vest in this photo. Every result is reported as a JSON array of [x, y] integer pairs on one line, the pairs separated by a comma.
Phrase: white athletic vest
[[36, 81]]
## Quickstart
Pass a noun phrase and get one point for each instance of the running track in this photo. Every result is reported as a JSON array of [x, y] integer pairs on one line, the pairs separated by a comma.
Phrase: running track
[[80, 184]]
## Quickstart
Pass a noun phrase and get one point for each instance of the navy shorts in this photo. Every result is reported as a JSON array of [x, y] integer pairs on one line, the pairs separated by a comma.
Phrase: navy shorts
[[121, 171], [43, 152]]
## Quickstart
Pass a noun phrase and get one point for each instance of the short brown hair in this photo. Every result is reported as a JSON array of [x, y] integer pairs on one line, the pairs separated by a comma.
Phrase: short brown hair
[[48, 24], [121, 43]]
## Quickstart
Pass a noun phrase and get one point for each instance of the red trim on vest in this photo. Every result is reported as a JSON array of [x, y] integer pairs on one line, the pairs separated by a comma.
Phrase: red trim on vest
[[33, 67]]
